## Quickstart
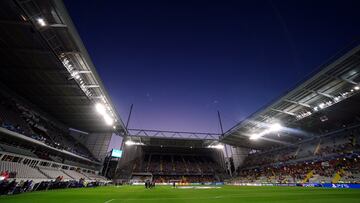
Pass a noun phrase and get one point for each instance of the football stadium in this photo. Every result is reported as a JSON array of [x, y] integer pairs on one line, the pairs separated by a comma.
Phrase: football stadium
[[57, 120]]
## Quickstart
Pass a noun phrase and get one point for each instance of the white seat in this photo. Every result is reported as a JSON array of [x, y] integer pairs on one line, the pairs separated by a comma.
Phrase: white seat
[[54, 173], [22, 171]]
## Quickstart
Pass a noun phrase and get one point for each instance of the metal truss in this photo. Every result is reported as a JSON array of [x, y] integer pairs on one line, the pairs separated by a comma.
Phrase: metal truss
[[172, 134]]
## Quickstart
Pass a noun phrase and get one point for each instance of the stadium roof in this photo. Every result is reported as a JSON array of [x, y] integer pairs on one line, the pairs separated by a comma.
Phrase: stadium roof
[[172, 138], [326, 101], [171, 142], [44, 61]]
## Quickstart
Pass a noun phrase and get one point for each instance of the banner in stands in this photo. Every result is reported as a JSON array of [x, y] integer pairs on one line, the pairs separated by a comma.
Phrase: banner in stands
[[342, 185], [185, 184], [333, 185], [324, 185]]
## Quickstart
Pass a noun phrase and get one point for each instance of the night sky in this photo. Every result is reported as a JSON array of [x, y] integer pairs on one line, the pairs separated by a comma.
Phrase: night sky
[[179, 62]]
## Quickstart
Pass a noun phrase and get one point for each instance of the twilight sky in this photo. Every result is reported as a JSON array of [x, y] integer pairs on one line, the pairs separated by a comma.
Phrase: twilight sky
[[179, 62]]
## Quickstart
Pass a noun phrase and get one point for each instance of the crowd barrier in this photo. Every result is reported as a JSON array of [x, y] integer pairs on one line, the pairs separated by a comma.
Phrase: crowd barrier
[[323, 185], [184, 184], [333, 185]]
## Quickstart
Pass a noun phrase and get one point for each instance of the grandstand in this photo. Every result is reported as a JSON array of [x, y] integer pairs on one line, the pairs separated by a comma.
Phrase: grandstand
[[49, 127], [309, 135], [165, 159], [57, 119]]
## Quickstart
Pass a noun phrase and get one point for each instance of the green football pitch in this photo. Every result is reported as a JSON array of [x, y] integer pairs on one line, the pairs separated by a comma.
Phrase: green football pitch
[[166, 194]]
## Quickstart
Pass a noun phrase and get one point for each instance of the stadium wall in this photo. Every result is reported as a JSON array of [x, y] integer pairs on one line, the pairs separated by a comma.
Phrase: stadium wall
[[239, 155], [97, 143], [218, 156], [126, 162]]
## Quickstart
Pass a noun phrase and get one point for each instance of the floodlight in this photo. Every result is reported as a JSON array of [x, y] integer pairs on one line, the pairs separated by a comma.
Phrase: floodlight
[[130, 143], [255, 136], [108, 119], [357, 88], [275, 127], [75, 74], [322, 105], [218, 146], [100, 108], [41, 22]]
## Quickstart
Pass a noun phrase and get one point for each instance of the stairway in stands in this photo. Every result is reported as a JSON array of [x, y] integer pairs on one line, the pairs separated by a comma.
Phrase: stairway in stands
[[308, 176], [338, 176], [42, 172]]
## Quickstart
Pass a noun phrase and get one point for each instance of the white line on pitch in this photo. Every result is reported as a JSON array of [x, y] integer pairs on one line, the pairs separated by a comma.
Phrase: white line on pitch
[[110, 200]]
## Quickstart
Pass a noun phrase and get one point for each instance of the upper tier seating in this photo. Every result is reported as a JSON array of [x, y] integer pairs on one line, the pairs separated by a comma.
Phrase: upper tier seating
[[21, 119], [17, 150]]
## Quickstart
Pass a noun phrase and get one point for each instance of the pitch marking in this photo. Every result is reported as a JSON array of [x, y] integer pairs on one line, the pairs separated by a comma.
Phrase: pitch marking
[[110, 200]]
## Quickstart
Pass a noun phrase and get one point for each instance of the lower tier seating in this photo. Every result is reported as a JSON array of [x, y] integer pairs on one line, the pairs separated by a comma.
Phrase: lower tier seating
[[22, 171], [54, 173]]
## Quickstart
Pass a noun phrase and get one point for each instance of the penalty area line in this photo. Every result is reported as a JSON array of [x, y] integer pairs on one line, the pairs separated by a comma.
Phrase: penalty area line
[[110, 200]]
